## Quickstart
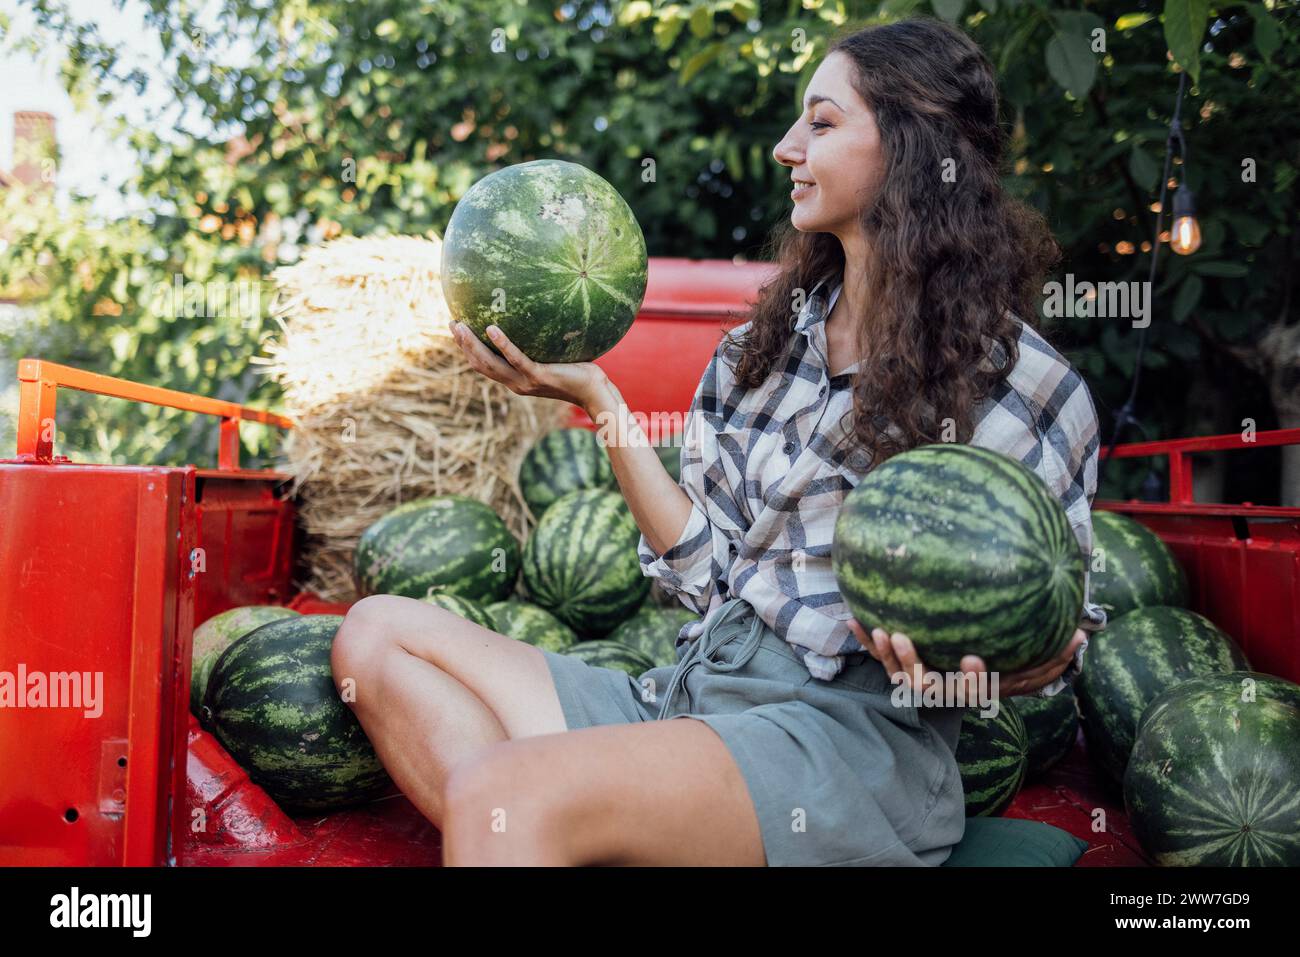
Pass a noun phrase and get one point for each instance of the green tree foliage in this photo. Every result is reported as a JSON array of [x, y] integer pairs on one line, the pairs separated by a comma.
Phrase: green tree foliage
[[287, 122]]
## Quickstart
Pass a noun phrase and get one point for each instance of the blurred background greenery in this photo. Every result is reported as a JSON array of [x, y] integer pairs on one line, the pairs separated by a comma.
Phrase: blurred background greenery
[[281, 123]]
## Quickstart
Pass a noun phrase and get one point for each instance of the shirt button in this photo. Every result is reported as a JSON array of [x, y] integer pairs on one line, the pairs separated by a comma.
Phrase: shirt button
[[788, 448]]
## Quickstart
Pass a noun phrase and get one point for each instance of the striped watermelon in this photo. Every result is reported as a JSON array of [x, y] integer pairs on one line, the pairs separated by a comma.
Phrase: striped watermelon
[[272, 704], [1132, 567], [549, 252], [1213, 778], [563, 461], [451, 543], [220, 632], [603, 653], [467, 609], [993, 756], [532, 625], [581, 562], [1052, 727], [966, 551], [653, 631], [1134, 659]]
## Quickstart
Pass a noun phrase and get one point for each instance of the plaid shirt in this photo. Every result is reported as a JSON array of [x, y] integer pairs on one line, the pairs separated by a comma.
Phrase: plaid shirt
[[766, 482]]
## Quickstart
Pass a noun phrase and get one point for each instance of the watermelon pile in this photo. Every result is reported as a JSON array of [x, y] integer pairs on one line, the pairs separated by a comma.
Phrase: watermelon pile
[[464, 607], [993, 757], [549, 252], [966, 551], [1132, 567], [563, 461], [220, 632], [532, 624], [1051, 727]]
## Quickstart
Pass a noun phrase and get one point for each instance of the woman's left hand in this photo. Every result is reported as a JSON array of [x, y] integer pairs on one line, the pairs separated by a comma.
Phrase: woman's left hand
[[897, 653]]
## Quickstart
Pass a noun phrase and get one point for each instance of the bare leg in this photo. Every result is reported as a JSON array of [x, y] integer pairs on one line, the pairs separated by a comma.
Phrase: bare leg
[[654, 793], [432, 690]]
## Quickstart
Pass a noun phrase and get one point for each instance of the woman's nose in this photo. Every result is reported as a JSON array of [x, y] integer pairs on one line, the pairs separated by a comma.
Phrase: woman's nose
[[786, 152]]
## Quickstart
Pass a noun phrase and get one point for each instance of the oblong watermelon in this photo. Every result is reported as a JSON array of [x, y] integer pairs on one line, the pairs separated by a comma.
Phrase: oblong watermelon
[[560, 462], [1212, 780], [1132, 567], [993, 756], [451, 543], [467, 609], [272, 704], [581, 562], [964, 550], [532, 625], [653, 631], [220, 632], [1134, 659], [549, 252], [1052, 727], [603, 653]]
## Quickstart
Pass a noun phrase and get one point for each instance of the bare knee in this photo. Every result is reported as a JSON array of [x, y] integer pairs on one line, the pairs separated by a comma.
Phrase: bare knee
[[505, 806], [367, 631]]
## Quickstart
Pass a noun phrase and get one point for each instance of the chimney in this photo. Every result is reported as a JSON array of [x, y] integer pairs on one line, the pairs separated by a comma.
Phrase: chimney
[[35, 150]]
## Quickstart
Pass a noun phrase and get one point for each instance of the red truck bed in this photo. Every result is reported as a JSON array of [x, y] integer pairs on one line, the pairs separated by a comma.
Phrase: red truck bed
[[106, 569]]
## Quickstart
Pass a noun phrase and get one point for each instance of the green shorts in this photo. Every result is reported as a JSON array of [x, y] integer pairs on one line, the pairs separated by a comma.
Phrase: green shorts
[[838, 774]]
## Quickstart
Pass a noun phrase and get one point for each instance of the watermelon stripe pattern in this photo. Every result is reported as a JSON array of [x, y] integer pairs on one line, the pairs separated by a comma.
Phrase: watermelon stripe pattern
[[1213, 777], [532, 625], [469, 610], [964, 550], [603, 653], [1132, 567], [993, 756], [549, 252], [581, 562], [272, 704], [653, 631], [560, 462], [217, 634], [447, 543], [1133, 660], [1052, 727]]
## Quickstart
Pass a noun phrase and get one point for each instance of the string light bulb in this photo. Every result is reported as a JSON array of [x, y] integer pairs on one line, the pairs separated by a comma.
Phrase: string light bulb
[[1186, 231]]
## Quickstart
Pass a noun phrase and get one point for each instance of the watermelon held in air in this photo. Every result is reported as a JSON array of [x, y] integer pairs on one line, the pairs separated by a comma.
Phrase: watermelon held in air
[[1134, 659], [464, 607], [450, 543], [549, 252], [220, 632], [1212, 780], [653, 631], [964, 550], [560, 462], [532, 625], [1131, 567], [272, 703], [993, 757], [603, 653], [1052, 727], [581, 562]]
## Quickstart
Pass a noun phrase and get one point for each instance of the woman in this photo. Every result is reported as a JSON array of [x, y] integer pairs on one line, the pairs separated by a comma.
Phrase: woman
[[915, 266]]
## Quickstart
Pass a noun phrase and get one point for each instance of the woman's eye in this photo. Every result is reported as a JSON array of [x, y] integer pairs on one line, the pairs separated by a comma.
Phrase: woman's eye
[[818, 126]]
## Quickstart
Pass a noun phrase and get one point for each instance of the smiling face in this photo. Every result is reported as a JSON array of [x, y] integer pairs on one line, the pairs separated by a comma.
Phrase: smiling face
[[834, 145]]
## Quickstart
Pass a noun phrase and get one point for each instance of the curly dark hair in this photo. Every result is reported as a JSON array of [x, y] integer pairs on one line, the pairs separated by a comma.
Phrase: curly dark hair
[[954, 265]]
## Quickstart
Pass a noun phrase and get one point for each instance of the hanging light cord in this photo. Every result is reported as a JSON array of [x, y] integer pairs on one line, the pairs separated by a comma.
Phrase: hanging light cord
[[1124, 417]]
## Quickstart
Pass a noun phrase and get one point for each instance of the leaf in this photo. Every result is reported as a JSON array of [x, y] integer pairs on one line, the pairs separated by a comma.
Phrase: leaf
[[666, 31], [1143, 168], [635, 12], [699, 61], [702, 22], [1131, 21], [1222, 270], [1185, 22], [1268, 36], [744, 10], [949, 10], [1189, 295], [1071, 63]]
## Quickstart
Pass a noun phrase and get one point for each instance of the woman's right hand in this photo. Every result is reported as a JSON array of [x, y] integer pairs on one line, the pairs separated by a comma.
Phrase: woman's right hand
[[582, 383]]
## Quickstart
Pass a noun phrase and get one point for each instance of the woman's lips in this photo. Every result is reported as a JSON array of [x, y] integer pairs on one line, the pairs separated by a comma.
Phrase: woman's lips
[[802, 190]]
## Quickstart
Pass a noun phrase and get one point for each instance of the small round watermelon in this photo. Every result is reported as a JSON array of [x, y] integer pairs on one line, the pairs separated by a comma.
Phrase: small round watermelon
[[603, 653], [560, 462], [1052, 726], [549, 252], [964, 550], [1212, 780], [993, 756], [532, 625], [653, 631], [1132, 567], [272, 704], [1134, 659], [581, 562], [451, 543], [220, 632], [467, 609]]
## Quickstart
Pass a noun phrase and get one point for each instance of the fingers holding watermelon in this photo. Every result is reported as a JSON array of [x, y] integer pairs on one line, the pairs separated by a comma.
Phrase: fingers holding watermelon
[[576, 382]]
